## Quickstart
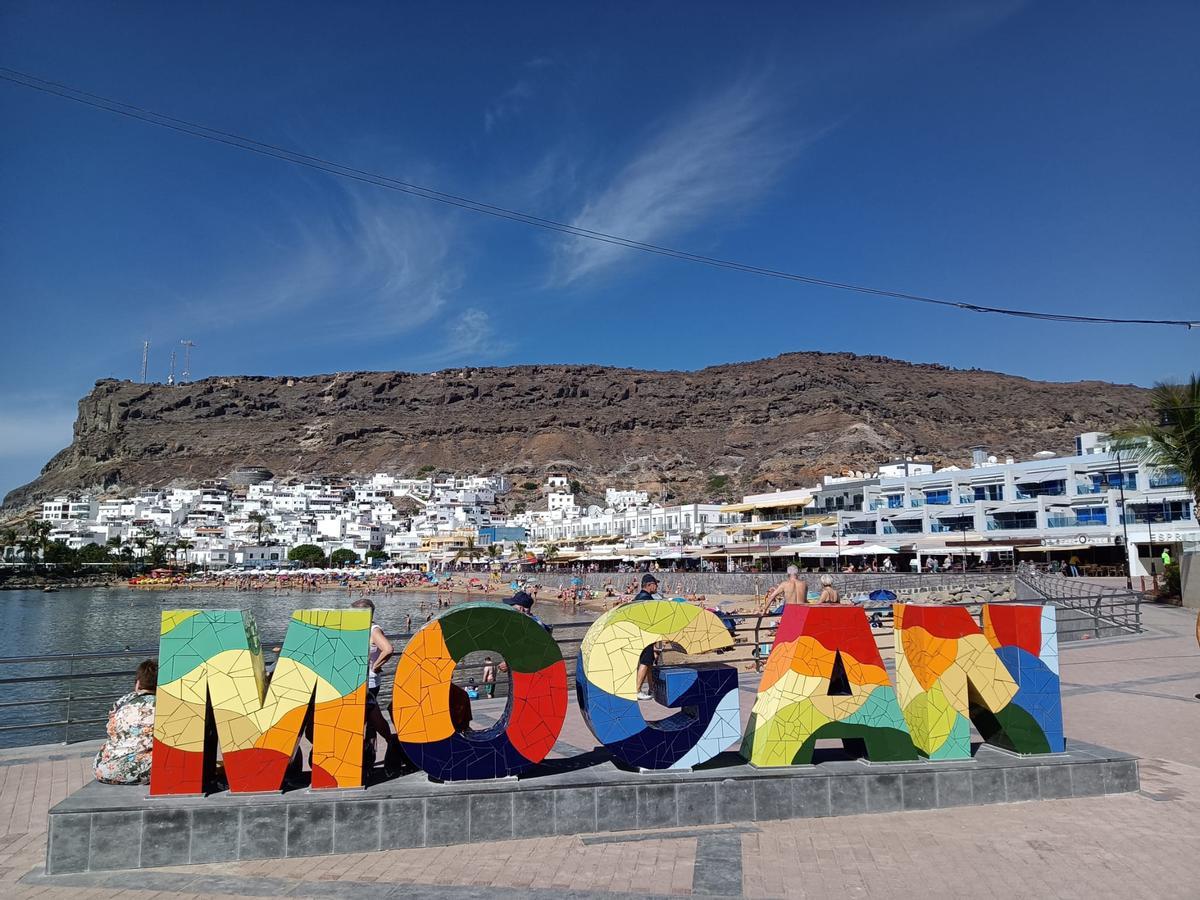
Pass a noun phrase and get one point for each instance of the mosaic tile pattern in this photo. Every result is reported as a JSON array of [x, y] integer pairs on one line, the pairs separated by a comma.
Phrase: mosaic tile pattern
[[537, 705], [824, 679], [947, 675], [213, 657], [1026, 640], [606, 686]]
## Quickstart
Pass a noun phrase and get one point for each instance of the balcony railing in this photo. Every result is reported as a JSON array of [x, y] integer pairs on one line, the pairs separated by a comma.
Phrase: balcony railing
[[1166, 479], [937, 501], [1083, 488], [1155, 518], [993, 525], [1075, 522], [916, 501]]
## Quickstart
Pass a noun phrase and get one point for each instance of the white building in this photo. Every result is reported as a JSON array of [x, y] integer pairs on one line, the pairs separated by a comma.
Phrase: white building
[[1094, 499], [620, 499]]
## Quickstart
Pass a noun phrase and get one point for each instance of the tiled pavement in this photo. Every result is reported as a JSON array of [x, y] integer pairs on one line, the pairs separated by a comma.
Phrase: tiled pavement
[[1133, 695]]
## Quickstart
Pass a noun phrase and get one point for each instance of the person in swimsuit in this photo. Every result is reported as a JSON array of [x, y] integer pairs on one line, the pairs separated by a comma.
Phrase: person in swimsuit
[[829, 593], [794, 589]]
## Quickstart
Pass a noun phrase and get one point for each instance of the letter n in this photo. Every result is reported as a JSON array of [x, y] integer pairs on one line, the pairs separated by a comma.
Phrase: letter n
[[211, 661], [824, 679], [950, 674]]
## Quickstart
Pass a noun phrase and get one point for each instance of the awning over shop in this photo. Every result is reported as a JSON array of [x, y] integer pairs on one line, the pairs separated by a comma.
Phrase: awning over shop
[[867, 550], [814, 550]]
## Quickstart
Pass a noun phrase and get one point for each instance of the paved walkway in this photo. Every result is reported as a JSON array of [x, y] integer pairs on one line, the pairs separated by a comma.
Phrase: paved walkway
[[1135, 695]]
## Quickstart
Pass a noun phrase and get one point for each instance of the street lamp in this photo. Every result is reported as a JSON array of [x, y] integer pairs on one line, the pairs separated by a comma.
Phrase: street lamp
[[1124, 524], [837, 540], [964, 556]]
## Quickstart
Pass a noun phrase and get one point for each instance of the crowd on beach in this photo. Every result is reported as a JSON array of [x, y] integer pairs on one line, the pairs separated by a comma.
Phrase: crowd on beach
[[569, 593]]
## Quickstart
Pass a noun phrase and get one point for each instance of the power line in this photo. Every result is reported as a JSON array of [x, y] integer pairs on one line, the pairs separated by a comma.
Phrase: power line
[[242, 142]]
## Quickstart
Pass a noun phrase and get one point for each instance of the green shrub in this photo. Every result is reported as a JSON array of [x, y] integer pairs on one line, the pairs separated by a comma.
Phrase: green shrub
[[1171, 585]]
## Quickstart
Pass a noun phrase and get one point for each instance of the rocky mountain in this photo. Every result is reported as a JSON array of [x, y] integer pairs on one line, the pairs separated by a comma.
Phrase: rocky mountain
[[707, 434]]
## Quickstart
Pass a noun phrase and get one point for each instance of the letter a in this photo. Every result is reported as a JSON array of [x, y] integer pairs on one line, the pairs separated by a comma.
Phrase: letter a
[[824, 679]]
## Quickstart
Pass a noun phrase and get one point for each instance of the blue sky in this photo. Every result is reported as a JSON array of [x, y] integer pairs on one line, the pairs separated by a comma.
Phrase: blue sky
[[1017, 154]]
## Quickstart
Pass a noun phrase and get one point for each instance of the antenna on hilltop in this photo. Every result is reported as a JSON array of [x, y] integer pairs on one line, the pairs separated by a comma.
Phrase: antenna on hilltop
[[171, 376], [145, 358], [187, 360]]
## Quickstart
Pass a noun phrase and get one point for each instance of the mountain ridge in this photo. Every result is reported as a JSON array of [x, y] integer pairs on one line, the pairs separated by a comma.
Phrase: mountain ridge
[[767, 423]]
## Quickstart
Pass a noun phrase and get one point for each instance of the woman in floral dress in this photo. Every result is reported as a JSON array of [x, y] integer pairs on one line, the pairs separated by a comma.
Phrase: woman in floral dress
[[125, 756]]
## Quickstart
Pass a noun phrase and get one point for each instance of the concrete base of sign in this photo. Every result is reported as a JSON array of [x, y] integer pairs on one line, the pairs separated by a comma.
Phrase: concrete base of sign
[[105, 827]]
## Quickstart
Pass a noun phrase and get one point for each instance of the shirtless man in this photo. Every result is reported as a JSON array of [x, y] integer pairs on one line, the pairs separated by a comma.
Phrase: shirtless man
[[794, 589]]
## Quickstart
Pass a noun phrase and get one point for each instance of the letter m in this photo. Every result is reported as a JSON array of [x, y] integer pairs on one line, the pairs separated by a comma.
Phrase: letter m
[[210, 662]]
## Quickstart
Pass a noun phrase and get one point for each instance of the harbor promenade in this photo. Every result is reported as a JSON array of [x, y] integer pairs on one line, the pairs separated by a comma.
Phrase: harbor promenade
[[1132, 694]]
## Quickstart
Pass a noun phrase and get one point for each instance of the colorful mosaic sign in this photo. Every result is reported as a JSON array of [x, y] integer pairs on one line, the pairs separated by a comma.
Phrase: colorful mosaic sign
[[212, 658], [949, 673], [537, 705], [824, 679], [606, 685]]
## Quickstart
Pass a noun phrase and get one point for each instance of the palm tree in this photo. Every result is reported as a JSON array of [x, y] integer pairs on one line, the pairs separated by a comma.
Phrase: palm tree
[[551, 552], [8, 540], [470, 551], [29, 546], [493, 552], [183, 545], [259, 519], [39, 536], [1173, 440]]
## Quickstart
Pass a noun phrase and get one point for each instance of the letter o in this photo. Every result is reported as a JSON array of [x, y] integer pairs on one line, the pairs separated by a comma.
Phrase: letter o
[[532, 720]]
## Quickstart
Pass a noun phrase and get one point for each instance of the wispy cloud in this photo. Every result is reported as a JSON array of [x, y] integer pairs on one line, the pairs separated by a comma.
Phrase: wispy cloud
[[507, 104], [515, 98], [468, 337], [362, 259], [717, 156]]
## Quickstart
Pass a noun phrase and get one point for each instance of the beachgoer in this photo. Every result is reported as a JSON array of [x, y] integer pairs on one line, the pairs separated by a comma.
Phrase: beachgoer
[[460, 709], [649, 591], [125, 756], [489, 677], [381, 650], [794, 589], [829, 593]]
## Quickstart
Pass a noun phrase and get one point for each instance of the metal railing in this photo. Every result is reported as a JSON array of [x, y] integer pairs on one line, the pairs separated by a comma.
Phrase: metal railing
[[1086, 610]]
